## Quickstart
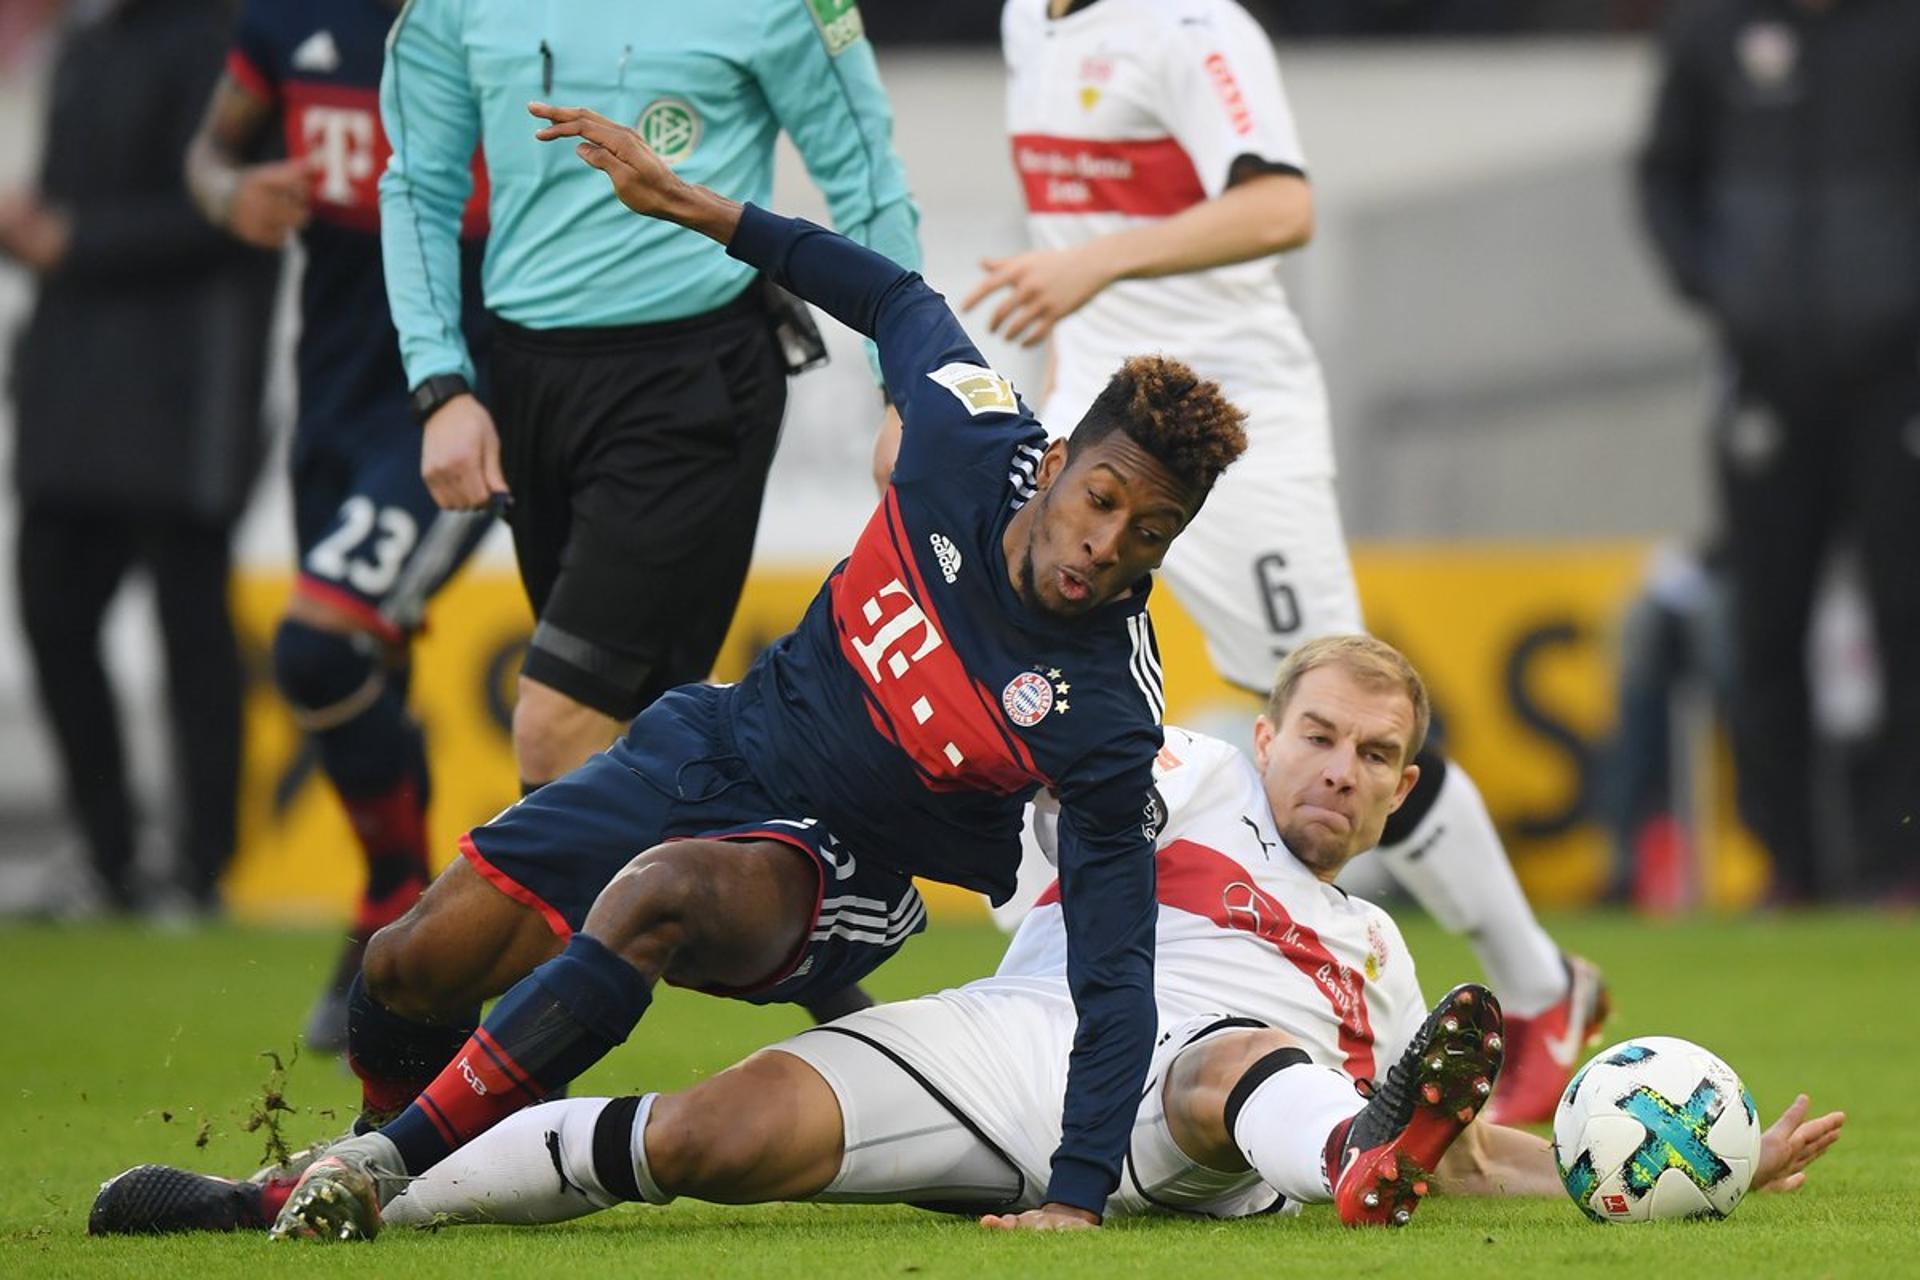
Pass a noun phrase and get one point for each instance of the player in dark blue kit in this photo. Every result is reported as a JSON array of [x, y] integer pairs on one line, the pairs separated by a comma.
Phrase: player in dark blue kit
[[988, 637], [373, 545]]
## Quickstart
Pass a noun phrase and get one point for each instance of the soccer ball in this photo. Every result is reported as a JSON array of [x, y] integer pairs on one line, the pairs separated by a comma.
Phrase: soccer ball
[[1655, 1128]]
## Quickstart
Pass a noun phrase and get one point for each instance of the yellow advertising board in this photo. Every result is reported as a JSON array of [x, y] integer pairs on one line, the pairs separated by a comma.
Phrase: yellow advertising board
[[1516, 642]]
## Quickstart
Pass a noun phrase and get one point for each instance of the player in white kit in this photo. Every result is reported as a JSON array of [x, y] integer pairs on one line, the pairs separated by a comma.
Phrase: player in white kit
[[1162, 173], [1277, 993]]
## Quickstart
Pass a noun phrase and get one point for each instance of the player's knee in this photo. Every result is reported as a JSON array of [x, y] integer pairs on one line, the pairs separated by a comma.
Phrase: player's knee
[[698, 1145], [1209, 1071], [648, 911], [326, 674], [410, 968], [553, 734], [387, 967]]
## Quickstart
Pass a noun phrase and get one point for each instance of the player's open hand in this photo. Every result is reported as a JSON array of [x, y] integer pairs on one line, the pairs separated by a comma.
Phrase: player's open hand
[[1048, 1217], [641, 178], [271, 202], [460, 456], [1043, 288], [1793, 1142]]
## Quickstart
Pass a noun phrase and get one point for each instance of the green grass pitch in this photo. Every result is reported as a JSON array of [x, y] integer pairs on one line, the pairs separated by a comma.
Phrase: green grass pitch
[[120, 1045]]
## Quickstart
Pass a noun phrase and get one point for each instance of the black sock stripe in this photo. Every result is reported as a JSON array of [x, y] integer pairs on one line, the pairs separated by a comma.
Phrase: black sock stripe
[[613, 1148], [1258, 1074]]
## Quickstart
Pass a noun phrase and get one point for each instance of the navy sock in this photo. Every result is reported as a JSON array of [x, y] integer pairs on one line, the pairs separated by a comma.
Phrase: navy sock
[[554, 1024], [396, 1057]]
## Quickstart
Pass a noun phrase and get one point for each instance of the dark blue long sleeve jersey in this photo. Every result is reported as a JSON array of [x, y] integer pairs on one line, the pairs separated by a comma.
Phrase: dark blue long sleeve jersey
[[920, 702]]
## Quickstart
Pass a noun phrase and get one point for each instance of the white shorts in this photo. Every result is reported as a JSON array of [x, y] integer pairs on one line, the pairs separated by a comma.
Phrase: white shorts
[[953, 1101], [1264, 569]]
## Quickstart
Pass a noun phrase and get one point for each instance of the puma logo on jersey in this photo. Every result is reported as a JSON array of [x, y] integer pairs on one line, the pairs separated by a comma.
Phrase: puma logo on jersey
[[318, 53], [948, 555], [981, 390]]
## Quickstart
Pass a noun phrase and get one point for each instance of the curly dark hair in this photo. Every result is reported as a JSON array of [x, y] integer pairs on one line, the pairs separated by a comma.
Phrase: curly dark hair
[[1178, 417]]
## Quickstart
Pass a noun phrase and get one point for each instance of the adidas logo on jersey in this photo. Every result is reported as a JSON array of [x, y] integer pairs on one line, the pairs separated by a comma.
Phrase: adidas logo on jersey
[[317, 53], [948, 555]]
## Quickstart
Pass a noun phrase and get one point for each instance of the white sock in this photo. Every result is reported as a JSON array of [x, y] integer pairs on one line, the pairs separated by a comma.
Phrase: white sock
[[535, 1166], [1455, 866], [1284, 1124]]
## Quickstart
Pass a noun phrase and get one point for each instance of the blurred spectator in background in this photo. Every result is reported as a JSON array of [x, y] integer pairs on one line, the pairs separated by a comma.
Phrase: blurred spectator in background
[[137, 384], [1780, 185]]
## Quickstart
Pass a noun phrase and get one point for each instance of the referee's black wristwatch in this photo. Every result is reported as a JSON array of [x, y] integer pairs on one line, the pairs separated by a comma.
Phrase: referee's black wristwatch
[[427, 398]]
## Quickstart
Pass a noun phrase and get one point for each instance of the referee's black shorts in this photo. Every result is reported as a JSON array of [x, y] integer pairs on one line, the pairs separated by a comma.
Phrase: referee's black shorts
[[637, 457]]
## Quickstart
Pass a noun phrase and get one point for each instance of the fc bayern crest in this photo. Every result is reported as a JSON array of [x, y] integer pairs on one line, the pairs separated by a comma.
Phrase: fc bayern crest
[[1027, 698]]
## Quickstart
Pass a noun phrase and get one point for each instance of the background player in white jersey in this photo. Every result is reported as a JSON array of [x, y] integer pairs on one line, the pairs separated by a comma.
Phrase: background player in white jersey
[[1162, 173], [1276, 992]]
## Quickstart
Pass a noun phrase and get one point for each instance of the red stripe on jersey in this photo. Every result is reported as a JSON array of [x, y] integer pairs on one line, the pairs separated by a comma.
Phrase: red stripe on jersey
[[241, 70], [1146, 177], [336, 129], [919, 694], [1207, 883], [989, 705]]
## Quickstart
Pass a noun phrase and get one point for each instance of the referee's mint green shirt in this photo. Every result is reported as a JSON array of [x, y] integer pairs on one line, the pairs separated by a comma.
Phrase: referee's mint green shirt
[[709, 83]]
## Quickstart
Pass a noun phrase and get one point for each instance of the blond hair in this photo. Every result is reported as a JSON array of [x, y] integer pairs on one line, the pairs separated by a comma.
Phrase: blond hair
[[1373, 664]]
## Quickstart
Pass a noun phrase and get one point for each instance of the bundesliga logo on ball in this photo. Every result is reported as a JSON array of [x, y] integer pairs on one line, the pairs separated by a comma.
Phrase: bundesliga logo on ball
[[1656, 1128]]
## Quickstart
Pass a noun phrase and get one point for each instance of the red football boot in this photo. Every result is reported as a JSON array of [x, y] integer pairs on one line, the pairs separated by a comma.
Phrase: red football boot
[[1380, 1163], [1543, 1051]]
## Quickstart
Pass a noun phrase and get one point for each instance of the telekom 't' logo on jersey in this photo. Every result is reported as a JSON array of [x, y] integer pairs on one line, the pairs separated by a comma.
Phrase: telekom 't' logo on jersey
[[920, 695], [900, 627], [341, 142]]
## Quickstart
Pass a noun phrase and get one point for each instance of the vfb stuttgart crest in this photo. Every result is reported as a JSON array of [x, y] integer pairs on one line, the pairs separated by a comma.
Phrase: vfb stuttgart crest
[[1030, 695], [671, 127]]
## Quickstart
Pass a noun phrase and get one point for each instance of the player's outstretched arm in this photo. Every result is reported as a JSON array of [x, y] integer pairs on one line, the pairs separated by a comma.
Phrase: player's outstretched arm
[[1494, 1160]]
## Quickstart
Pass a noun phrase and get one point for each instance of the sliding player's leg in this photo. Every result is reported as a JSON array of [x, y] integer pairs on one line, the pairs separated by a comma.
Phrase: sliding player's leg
[[735, 910], [767, 1129], [1255, 1099], [418, 997]]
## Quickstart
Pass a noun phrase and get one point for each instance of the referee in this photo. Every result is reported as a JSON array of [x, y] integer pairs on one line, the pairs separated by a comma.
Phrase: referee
[[638, 384]]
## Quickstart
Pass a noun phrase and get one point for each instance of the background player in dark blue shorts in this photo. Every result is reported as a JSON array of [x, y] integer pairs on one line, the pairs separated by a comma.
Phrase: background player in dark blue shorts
[[987, 637], [373, 545]]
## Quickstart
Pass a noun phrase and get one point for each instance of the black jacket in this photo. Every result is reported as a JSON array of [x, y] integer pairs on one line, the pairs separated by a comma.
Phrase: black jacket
[[1781, 177], [138, 378]]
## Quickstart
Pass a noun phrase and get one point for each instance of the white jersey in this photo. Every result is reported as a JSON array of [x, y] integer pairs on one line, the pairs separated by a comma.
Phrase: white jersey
[[1124, 113], [1245, 930]]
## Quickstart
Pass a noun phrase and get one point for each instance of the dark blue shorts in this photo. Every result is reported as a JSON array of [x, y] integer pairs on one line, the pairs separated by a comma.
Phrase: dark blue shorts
[[677, 775], [372, 541]]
